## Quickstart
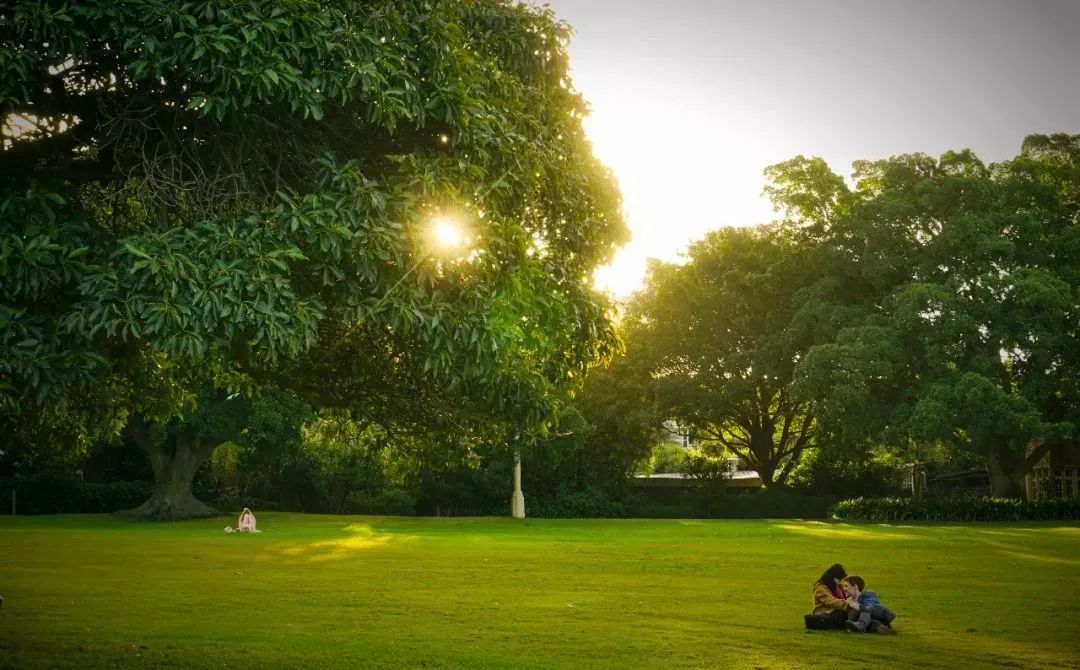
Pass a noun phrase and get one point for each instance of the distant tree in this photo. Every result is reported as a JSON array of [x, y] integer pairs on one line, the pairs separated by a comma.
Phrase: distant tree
[[241, 193], [956, 291], [718, 337], [623, 424], [177, 448]]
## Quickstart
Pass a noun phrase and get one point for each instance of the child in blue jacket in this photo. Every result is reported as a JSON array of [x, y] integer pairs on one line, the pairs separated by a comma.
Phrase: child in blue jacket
[[867, 612]]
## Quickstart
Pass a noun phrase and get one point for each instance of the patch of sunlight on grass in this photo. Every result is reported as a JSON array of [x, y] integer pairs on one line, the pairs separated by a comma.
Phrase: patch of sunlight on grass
[[360, 529], [1001, 533], [362, 537], [1009, 549], [841, 531], [1065, 530], [1042, 558], [1057, 530]]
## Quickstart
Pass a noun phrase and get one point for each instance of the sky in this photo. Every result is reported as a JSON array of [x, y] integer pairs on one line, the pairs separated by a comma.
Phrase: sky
[[692, 99]]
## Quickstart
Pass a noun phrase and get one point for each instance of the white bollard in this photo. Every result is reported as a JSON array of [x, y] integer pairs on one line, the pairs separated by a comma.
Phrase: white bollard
[[517, 502]]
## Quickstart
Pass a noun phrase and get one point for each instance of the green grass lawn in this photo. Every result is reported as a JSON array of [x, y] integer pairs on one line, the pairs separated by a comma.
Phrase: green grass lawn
[[322, 591]]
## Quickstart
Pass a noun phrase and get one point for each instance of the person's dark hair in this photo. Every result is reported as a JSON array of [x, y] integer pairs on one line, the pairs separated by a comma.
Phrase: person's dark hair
[[857, 581], [830, 576]]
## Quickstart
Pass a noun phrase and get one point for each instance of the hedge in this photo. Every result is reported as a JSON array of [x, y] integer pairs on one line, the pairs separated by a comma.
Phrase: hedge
[[957, 508], [589, 503], [46, 494], [765, 504]]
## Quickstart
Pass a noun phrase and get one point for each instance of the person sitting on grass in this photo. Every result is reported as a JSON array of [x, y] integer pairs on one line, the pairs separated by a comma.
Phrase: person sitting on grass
[[246, 523], [829, 600], [867, 614]]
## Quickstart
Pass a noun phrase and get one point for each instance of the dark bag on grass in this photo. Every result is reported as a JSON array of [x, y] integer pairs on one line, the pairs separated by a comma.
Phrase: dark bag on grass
[[823, 621]]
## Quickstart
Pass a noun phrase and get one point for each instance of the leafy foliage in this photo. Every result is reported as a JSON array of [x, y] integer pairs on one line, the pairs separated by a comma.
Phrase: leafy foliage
[[841, 474], [956, 509], [766, 504], [243, 192], [57, 493], [954, 291], [338, 129], [667, 457], [719, 341], [586, 503]]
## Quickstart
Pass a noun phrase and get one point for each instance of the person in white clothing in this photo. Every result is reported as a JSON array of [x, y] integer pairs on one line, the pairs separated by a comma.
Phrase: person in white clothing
[[246, 523]]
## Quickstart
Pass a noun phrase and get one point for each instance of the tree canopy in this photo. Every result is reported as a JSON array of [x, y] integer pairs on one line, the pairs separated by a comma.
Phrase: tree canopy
[[956, 287], [243, 192], [720, 339], [930, 302]]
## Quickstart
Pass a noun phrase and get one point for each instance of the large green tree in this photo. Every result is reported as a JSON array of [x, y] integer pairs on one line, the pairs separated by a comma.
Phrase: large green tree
[[720, 337], [243, 190], [959, 298]]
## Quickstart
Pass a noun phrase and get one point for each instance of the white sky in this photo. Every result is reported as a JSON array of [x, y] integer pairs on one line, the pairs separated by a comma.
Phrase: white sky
[[692, 99]]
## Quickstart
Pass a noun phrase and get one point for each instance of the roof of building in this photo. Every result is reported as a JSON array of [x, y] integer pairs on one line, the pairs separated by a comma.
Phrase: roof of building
[[738, 474]]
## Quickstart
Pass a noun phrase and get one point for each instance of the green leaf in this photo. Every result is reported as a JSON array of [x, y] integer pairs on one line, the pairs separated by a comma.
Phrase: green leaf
[[136, 251]]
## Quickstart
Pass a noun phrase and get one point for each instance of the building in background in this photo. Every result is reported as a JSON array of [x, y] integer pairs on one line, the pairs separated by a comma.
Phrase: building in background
[[1057, 474]]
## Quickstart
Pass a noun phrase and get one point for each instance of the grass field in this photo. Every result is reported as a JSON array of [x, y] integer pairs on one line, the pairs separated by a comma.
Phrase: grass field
[[320, 591]]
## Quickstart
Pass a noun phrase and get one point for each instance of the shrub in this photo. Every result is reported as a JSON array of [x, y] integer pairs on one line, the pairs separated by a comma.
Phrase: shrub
[[48, 493], [389, 501], [825, 474], [697, 503], [774, 504], [112, 496], [711, 472], [232, 499], [667, 457], [588, 503], [958, 508]]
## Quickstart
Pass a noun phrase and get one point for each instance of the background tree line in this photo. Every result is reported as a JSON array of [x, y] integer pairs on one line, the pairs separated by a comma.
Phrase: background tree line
[[215, 250], [926, 312]]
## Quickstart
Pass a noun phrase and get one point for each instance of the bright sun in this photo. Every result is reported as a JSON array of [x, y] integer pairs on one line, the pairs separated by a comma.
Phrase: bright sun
[[447, 232]]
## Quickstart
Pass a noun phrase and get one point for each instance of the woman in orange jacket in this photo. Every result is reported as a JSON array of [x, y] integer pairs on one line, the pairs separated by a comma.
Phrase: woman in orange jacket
[[829, 599]]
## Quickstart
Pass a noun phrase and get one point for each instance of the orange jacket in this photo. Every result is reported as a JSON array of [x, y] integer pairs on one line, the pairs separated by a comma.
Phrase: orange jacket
[[825, 602]]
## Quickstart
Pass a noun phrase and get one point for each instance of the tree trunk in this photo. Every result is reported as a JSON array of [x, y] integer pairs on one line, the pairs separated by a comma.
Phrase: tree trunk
[[785, 472], [1002, 482], [174, 462], [763, 450], [766, 469]]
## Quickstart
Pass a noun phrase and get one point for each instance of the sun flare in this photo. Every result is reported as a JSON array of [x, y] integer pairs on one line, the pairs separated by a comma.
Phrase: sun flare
[[447, 232]]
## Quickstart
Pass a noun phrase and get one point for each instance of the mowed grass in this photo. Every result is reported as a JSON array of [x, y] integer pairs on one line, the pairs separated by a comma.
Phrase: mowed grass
[[324, 591]]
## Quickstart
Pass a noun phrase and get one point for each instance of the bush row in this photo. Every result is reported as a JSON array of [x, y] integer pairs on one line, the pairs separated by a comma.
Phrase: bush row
[[47, 494], [701, 504], [746, 505], [959, 508], [588, 503]]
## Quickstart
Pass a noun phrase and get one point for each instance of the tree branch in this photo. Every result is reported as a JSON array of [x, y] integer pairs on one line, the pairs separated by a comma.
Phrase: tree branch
[[1026, 464]]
